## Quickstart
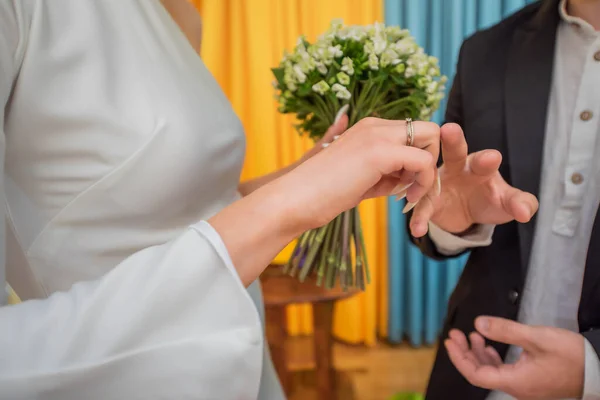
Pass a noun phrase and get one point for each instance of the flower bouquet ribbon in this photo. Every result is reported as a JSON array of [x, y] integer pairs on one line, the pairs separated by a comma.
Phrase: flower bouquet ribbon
[[370, 71]]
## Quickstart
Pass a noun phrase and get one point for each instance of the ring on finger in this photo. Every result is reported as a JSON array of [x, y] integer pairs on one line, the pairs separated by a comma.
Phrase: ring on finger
[[410, 132]]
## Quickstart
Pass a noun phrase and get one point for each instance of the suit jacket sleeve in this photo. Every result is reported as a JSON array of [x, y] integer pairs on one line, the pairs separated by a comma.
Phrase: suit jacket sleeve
[[454, 113], [171, 321]]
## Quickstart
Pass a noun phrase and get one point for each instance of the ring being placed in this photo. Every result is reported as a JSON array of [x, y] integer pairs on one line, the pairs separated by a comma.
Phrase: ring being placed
[[410, 132]]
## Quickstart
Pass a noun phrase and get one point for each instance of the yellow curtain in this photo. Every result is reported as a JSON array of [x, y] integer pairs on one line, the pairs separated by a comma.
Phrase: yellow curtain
[[242, 41]]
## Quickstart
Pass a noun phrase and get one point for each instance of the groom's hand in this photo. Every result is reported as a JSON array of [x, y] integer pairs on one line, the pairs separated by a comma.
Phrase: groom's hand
[[472, 189], [550, 367]]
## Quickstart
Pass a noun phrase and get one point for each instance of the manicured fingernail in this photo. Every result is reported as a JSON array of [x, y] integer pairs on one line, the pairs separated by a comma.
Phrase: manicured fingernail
[[400, 188], [324, 145], [401, 195], [482, 324], [409, 206], [438, 186], [341, 112]]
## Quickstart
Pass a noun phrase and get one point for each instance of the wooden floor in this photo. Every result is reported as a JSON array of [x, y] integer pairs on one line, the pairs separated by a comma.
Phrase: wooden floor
[[365, 373]]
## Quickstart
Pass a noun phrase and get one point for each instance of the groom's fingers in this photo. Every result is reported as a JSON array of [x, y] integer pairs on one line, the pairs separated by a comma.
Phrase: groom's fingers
[[479, 349], [454, 147], [509, 332], [519, 204], [485, 376], [460, 339], [485, 163]]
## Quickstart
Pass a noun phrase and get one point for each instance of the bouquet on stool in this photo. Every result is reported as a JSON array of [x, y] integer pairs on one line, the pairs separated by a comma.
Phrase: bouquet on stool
[[369, 70]]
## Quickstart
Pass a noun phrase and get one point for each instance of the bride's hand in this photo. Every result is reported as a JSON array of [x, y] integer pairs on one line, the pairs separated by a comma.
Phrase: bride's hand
[[368, 160], [371, 159], [338, 127]]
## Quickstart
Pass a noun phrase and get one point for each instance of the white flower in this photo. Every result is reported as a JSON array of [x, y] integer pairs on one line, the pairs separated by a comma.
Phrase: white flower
[[369, 47], [432, 87], [356, 33], [321, 68], [388, 57], [336, 25], [321, 87], [409, 72], [335, 51], [406, 46], [394, 33], [300, 75], [373, 62], [348, 66], [433, 71], [425, 113], [343, 78], [289, 78], [341, 92]]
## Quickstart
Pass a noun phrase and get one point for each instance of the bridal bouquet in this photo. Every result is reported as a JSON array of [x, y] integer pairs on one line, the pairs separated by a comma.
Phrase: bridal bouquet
[[372, 70]]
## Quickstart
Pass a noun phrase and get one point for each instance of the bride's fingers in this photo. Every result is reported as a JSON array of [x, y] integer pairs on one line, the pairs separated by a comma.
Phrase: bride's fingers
[[426, 134], [338, 127]]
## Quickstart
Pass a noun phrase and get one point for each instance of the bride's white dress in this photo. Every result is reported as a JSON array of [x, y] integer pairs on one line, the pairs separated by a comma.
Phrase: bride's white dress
[[118, 145]]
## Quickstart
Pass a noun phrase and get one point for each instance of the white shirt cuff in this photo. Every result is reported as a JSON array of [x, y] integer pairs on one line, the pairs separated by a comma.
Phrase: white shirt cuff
[[591, 385], [449, 244]]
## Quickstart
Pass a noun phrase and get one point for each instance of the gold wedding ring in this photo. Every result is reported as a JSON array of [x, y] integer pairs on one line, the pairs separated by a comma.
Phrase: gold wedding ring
[[410, 132]]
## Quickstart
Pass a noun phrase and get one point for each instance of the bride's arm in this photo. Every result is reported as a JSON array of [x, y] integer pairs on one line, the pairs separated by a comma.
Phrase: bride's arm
[[174, 321]]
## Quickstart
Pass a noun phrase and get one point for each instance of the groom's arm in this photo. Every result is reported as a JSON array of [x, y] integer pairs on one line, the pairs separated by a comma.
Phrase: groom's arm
[[439, 244]]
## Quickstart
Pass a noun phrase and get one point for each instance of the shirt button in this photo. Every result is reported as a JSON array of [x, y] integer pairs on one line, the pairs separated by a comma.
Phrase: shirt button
[[577, 178], [597, 56], [513, 296], [586, 115]]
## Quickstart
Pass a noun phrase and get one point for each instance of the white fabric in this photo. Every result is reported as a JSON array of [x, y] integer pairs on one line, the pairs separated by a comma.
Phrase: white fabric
[[567, 210], [117, 139], [449, 244], [171, 321]]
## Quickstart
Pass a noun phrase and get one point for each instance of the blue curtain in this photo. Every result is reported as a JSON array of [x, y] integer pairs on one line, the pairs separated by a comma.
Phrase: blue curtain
[[419, 287]]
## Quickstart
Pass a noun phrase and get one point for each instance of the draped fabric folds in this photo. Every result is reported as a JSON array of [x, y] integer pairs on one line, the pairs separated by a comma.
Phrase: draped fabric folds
[[419, 287], [242, 40]]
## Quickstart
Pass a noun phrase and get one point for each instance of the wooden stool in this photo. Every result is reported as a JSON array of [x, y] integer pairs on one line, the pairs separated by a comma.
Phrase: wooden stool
[[279, 291]]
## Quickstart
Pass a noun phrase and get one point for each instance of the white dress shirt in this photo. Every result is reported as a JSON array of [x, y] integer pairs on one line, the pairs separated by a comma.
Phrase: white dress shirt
[[569, 196], [115, 141]]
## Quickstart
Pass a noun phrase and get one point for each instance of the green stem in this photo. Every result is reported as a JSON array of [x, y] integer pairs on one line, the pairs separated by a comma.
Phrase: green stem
[[360, 279], [325, 252], [306, 241], [312, 252], [331, 256], [364, 250], [344, 260], [325, 109], [351, 260], [394, 103]]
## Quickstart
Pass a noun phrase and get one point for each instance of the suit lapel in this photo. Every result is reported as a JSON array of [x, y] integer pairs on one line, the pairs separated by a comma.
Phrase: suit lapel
[[527, 90]]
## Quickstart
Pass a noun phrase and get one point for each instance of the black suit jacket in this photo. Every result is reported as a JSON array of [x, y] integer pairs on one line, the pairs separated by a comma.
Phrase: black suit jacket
[[499, 97]]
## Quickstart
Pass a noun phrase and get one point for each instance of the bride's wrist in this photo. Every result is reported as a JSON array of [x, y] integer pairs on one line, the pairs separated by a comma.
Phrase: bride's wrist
[[255, 229]]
